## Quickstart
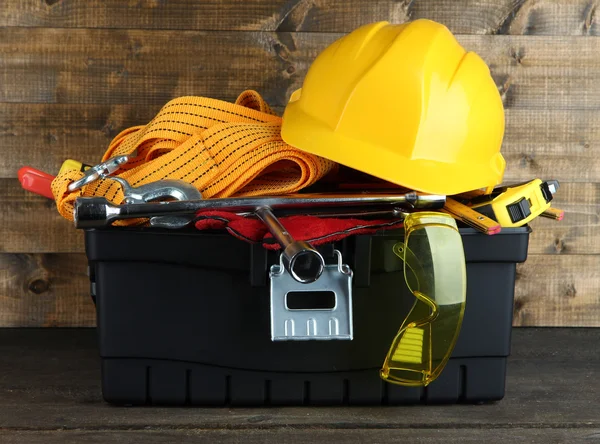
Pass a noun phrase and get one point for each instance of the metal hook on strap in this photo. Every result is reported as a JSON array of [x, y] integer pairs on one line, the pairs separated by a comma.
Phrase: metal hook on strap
[[100, 171], [156, 191]]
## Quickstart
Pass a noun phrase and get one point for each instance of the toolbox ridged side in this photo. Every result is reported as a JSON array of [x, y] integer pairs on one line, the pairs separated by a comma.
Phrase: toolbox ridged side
[[161, 382]]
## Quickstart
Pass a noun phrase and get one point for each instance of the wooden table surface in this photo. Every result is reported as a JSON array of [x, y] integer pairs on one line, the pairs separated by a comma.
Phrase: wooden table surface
[[76, 73], [50, 393]]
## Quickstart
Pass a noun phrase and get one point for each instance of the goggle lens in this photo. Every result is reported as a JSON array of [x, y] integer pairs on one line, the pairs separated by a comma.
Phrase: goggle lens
[[434, 271]]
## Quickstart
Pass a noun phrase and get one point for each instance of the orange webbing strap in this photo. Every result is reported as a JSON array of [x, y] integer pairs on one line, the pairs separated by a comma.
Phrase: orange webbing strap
[[222, 148]]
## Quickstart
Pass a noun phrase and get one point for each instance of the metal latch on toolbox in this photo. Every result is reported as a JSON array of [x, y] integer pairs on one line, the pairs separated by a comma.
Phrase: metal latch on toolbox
[[290, 324]]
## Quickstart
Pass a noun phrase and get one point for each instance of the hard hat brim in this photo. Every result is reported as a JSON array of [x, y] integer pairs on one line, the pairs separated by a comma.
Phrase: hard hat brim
[[306, 133]]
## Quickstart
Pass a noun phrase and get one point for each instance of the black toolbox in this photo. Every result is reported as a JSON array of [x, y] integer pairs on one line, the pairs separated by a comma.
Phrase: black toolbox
[[184, 319]]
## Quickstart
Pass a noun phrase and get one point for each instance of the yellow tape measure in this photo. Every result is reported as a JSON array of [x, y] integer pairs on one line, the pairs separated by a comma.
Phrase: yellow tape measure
[[517, 205]]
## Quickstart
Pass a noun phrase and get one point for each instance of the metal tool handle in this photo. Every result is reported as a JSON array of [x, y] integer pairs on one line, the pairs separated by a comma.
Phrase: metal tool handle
[[88, 211], [95, 212], [299, 258]]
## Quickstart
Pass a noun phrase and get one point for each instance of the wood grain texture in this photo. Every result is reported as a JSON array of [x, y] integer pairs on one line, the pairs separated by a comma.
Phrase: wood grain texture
[[559, 144], [562, 144], [32, 224], [578, 232], [561, 290], [44, 135], [63, 395], [112, 67], [292, 436], [73, 74], [46, 290], [558, 17], [538, 17]]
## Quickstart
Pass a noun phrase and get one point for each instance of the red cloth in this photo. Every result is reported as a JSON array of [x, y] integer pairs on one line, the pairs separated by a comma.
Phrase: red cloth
[[316, 230]]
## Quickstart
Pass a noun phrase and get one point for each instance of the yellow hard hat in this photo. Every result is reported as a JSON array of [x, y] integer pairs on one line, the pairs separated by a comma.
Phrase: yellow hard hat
[[405, 103]]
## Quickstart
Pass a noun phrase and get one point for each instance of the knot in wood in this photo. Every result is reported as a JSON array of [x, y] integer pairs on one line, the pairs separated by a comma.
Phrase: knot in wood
[[519, 303], [527, 161], [281, 51], [571, 291], [559, 246], [39, 286]]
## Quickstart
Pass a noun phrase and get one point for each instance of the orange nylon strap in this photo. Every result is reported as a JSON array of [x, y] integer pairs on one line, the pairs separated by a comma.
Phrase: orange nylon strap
[[222, 148]]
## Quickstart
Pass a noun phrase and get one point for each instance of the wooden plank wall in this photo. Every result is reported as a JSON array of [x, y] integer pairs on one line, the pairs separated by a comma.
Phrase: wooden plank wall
[[73, 74]]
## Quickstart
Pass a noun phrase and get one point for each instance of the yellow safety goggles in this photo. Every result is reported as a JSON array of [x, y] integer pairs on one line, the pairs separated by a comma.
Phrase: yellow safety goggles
[[434, 270]]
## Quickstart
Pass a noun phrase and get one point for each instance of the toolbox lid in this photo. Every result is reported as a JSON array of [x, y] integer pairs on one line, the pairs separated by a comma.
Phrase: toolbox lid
[[219, 249]]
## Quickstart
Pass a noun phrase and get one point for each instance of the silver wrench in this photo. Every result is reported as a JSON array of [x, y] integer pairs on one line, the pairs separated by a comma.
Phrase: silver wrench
[[304, 263], [358, 213], [97, 212]]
